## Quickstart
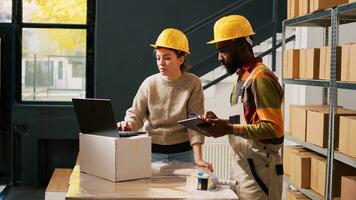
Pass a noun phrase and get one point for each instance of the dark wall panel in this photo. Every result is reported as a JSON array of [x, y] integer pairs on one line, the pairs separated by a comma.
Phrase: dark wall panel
[[35, 129], [124, 31]]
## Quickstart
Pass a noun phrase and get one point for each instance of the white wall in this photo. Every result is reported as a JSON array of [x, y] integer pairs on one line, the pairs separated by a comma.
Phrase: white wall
[[217, 97]]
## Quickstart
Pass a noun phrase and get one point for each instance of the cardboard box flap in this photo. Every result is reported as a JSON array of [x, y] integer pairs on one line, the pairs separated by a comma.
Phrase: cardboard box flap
[[349, 117], [351, 178]]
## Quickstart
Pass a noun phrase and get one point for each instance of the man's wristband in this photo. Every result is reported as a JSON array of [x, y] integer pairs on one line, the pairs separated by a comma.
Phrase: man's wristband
[[237, 129]]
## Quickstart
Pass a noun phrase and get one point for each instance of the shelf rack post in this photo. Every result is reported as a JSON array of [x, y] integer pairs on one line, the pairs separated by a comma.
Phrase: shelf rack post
[[325, 43], [283, 49], [332, 106]]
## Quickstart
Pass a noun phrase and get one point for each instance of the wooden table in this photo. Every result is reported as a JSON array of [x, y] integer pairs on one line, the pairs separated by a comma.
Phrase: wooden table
[[169, 180]]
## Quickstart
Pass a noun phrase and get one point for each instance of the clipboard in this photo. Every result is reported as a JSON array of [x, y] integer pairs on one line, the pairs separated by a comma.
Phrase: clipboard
[[197, 125]]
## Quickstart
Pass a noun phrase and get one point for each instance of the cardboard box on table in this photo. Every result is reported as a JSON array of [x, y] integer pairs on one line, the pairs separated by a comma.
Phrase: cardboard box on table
[[317, 126], [348, 188], [115, 159], [347, 136], [317, 178]]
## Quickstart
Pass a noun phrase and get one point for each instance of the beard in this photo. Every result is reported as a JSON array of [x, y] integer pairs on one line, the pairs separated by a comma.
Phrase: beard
[[232, 65]]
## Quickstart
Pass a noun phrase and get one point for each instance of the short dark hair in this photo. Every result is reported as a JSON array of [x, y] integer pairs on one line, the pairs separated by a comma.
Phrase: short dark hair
[[243, 42]]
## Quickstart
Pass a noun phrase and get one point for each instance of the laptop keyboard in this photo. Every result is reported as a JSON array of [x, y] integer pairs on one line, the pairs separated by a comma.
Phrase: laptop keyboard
[[130, 133]]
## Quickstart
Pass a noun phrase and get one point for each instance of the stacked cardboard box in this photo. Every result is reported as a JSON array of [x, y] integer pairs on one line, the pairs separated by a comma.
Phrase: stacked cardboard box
[[317, 178], [291, 66], [303, 63], [295, 195], [347, 135], [325, 57], [292, 8], [292, 119], [309, 63], [316, 5], [304, 7], [296, 8], [300, 167], [348, 62], [317, 126], [298, 119], [348, 188], [287, 157]]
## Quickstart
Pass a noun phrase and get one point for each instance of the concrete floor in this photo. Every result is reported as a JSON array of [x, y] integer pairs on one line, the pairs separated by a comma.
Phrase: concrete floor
[[24, 192]]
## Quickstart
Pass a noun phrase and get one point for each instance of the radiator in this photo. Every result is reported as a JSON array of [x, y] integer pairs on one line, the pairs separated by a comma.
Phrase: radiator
[[219, 155]]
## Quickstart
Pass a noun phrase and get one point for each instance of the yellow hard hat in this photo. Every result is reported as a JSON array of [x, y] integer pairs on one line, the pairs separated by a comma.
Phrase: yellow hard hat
[[172, 38], [231, 27]]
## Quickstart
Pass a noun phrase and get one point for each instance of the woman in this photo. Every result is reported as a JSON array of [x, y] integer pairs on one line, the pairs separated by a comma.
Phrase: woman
[[166, 97]]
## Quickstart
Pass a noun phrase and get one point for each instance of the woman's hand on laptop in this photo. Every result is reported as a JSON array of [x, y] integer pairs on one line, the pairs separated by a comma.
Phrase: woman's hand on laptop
[[124, 126]]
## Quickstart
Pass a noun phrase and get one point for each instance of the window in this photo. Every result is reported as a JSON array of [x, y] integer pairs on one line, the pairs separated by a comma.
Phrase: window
[[54, 50], [54, 11], [60, 70], [40, 49], [77, 70], [5, 10]]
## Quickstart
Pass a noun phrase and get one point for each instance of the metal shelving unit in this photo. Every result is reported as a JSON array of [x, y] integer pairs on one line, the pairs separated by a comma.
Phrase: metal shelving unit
[[327, 18], [338, 156], [317, 83], [321, 19], [321, 83], [309, 193], [345, 85]]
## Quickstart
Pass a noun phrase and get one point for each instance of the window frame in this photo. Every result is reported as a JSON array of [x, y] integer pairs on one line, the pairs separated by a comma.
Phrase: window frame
[[89, 67]]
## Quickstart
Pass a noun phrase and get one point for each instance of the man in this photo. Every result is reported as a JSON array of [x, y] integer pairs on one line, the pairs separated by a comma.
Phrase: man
[[256, 131]]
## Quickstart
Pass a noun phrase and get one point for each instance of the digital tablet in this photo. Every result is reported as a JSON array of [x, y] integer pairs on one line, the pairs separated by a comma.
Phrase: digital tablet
[[197, 125]]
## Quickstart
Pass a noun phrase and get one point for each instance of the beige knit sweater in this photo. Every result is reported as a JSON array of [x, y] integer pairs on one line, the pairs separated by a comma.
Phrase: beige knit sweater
[[161, 103]]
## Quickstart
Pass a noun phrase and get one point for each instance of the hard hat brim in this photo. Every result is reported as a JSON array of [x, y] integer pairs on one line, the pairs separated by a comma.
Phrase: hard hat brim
[[226, 39], [163, 46]]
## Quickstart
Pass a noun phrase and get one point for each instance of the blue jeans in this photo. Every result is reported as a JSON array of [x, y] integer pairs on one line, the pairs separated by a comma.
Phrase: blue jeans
[[187, 156]]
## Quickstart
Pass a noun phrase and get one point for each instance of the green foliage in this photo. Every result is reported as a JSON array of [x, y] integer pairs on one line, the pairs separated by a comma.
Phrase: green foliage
[[62, 41]]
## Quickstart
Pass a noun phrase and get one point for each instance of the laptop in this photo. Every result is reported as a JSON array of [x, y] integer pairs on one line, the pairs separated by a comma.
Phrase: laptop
[[96, 116]]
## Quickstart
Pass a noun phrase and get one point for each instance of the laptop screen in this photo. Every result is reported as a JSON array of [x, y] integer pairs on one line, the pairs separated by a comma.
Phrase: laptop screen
[[95, 116]]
